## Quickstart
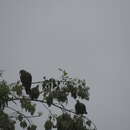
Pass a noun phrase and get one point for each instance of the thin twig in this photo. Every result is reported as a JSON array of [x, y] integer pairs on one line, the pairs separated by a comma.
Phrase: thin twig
[[38, 82], [26, 116], [47, 109]]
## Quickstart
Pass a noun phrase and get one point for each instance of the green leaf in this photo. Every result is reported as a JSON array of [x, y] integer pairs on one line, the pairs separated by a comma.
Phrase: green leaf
[[20, 117], [23, 124], [48, 125], [32, 127]]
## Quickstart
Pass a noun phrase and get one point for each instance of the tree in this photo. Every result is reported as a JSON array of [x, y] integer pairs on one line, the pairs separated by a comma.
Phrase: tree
[[49, 92]]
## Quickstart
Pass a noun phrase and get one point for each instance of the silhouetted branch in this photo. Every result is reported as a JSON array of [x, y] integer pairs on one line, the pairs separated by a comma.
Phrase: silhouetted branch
[[60, 107], [19, 113]]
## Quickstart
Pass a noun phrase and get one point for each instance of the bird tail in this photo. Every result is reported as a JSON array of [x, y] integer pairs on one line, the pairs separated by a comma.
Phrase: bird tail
[[28, 91]]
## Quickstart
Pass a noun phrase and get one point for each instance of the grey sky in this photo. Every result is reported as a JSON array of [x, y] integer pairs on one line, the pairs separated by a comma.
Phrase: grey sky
[[88, 38]]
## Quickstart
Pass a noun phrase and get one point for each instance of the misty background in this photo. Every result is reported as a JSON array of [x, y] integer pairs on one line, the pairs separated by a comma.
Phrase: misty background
[[88, 38]]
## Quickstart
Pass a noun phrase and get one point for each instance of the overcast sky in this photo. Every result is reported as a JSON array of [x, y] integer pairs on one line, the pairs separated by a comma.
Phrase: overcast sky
[[88, 38]]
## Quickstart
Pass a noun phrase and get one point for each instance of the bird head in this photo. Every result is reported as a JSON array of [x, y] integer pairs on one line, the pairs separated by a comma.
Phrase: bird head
[[78, 101], [21, 72]]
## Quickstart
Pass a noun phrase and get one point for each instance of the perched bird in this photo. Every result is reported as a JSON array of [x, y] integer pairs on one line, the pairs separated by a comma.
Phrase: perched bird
[[26, 80], [35, 92], [80, 108]]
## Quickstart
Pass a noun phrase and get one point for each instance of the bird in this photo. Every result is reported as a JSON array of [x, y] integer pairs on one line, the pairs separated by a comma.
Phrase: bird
[[26, 79], [35, 92], [80, 108]]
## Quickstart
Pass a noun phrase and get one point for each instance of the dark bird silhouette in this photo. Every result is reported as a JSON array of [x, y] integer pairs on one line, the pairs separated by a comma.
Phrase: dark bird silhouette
[[80, 108], [26, 80], [35, 92]]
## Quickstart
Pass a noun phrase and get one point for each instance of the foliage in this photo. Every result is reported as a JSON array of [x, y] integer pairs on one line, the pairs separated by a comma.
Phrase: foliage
[[5, 122], [50, 92]]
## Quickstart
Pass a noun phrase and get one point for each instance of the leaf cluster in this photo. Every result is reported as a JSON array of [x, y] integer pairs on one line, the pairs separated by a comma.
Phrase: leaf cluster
[[27, 105], [66, 122], [5, 122], [59, 90], [4, 94]]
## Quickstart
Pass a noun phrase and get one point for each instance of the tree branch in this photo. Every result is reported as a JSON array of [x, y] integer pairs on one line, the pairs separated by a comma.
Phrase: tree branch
[[26, 116], [60, 107], [19, 113]]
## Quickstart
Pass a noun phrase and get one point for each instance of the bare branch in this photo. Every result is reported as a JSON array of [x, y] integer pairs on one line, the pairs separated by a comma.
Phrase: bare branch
[[26, 116], [47, 109]]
